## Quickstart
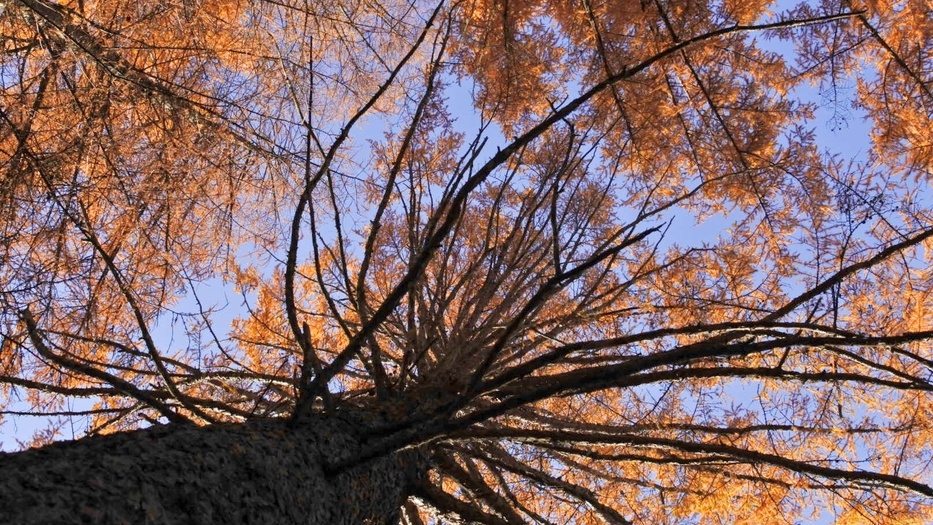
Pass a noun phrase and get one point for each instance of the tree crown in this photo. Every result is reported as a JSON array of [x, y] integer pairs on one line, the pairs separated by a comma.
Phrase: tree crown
[[482, 222]]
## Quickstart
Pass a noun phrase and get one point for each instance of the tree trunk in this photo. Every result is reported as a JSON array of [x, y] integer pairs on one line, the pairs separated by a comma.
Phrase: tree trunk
[[258, 472]]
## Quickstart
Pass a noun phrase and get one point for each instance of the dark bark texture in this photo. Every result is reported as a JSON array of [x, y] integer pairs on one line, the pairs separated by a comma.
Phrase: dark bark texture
[[252, 473]]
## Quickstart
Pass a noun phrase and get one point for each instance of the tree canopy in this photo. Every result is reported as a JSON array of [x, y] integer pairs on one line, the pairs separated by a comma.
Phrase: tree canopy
[[594, 258]]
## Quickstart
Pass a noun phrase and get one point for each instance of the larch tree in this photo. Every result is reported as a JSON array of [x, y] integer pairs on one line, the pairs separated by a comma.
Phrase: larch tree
[[421, 261]]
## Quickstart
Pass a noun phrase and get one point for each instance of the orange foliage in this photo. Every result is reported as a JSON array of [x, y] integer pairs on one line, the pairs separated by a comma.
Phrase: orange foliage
[[594, 257]]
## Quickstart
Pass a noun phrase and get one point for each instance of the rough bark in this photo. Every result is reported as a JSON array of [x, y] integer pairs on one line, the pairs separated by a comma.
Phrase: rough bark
[[258, 472]]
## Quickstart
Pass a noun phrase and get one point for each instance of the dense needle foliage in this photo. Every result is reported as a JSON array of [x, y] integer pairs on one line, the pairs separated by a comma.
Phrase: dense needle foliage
[[487, 223]]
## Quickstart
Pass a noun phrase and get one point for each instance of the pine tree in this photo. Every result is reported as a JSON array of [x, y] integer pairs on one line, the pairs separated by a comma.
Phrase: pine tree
[[414, 262]]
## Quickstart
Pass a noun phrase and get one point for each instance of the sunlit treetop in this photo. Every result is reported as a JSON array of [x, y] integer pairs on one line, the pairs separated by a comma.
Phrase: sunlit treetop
[[601, 260]]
